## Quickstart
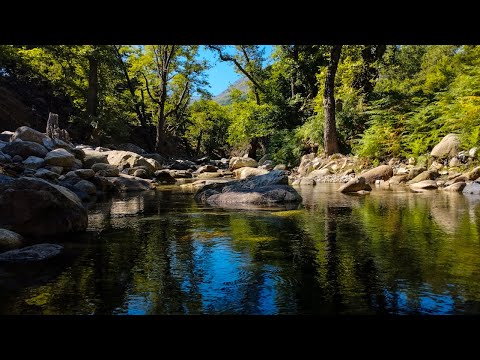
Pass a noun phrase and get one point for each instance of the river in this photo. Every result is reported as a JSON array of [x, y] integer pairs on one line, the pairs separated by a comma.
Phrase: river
[[158, 252]]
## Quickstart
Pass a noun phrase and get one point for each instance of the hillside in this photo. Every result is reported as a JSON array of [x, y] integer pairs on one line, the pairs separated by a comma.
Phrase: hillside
[[223, 98]]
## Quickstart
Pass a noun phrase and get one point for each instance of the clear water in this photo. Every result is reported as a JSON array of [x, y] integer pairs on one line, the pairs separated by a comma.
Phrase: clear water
[[390, 252]]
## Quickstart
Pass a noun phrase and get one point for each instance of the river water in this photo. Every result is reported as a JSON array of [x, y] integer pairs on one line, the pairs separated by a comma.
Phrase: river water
[[158, 252]]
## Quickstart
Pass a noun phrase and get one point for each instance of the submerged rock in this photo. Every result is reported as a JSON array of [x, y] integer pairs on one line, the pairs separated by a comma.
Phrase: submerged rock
[[32, 253]]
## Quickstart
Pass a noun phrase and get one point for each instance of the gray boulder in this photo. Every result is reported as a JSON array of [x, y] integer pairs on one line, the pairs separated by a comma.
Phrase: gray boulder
[[106, 170], [46, 174], [132, 148], [32, 253], [127, 183], [60, 157], [238, 162], [33, 162], [28, 134], [457, 187], [354, 185], [86, 186], [447, 147], [164, 177], [9, 239], [424, 185], [25, 149], [382, 172]]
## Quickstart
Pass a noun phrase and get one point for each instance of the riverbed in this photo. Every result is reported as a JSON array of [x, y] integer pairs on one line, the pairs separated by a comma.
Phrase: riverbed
[[158, 252]]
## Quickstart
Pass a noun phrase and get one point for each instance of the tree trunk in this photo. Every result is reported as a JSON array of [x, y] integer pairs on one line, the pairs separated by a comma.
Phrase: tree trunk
[[252, 151], [92, 94], [330, 130], [199, 142]]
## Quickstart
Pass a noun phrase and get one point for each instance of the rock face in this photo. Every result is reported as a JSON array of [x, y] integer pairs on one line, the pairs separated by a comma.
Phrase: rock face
[[25, 149], [32, 206], [472, 188], [354, 185], [28, 134], [382, 172], [238, 162], [60, 157], [244, 172], [424, 185], [447, 147], [269, 190], [457, 187], [9, 239], [33, 253]]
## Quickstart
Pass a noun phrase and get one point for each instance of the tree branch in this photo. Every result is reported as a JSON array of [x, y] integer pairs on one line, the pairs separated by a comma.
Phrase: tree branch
[[177, 105], [148, 90]]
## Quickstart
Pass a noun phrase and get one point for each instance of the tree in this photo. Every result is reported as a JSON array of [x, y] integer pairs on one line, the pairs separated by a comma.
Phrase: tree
[[330, 130]]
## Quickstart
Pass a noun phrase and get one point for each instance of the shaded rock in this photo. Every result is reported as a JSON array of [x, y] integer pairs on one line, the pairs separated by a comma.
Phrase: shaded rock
[[382, 172], [78, 153], [56, 169], [206, 168], [77, 165], [3, 144], [447, 147], [155, 164], [426, 175], [209, 175], [156, 157], [473, 188], [33, 162], [280, 167], [106, 169], [457, 179], [94, 157], [182, 165], [85, 173], [6, 136], [86, 186], [141, 173], [244, 172], [263, 159], [398, 179], [28, 134], [25, 149], [164, 177], [239, 162], [35, 207], [473, 174], [414, 172], [354, 185], [60, 157], [127, 183], [102, 184], [9, 239], [132, 148], [5, 158], [457, 187], [17, 159], [202, 160], [424, 185], [46, 174], [32, 253]]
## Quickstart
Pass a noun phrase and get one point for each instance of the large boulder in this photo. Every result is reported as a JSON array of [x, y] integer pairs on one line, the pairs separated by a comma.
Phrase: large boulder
[[457, 187], [424, 185], [415, 171], [447, 147], [182, 165], [32, 253], [94, 157], [473, 188], [60, 157], [106, 170], [354, 185], [28, 134], [269, 189], [426, 175], [32, 206], [85, 173], [382, 172], [319, 173], [164, 177], [9, 239], [131, 148], [25, 149], [127, 159], [239, 162], [33, 162], [245, 172], [86, 186], [127, 183]]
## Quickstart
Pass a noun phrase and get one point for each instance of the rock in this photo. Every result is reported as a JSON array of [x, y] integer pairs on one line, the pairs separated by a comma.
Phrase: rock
[[156, 157], [348, 172], [77, 165], [319, 173], [182, 174], [263, 159], [5, 158], [473, 188], [382, 172], [85, 173], [94, 157], [435, 166], [3, 144], [196, 185], [9, 239], [33, 206], [56, 169], [426, 175], [32, 253], [457, 179], [6, 136], [127, 159], [239, 162], [127, 183], [106, 169], [86, 186], [473, 174], [33, 162], [457, 187], [473, 152], [402, 171], [412, 161], [244, 172], [202, 160], [206, 168], [398, 179], [209, 175], [60, 157], [454, 162], [102, 184], [414, 172], [141, 173], [25, 149], [132, 148], [268, 165], [25, 133], [46, 174], [280, 167], [424, 185], [296, 181], [164, 177], [155, 164], [355, 185], [447, 147], [307, 181], [17, 159]]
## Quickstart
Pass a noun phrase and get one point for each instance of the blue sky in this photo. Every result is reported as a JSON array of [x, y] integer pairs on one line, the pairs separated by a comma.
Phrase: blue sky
[[222, 73]]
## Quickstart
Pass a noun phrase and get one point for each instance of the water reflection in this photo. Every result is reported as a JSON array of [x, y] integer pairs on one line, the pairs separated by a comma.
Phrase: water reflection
[[161, 253]]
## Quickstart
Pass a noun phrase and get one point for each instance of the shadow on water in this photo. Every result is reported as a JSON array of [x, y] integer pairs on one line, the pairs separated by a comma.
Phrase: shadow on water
[[159, 252]]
